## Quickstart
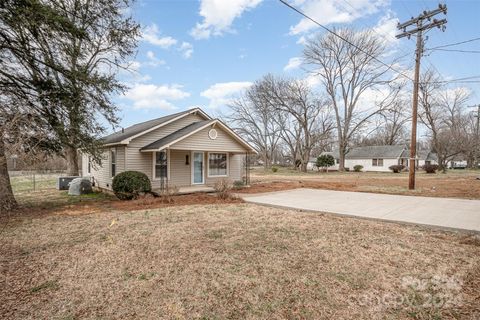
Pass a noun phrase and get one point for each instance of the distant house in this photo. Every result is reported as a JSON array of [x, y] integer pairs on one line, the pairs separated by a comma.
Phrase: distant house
[[380, 158], [184, 149]]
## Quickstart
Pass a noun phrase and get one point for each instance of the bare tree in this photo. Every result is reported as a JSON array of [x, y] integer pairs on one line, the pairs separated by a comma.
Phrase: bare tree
[[442, 112], [308, 118], [258, 123], [390, 127], [347, 70]]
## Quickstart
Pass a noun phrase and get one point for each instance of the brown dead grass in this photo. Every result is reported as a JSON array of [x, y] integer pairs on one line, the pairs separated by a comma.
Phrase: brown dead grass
[[454, 185], [237, 261], [52, 201]]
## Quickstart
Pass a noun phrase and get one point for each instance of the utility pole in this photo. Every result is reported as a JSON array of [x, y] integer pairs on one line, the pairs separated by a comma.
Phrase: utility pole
[[418, 30], [477, 136]]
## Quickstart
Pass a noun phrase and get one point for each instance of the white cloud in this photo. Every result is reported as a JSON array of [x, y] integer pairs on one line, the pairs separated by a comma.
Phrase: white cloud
[[387, 27], [332, 11], [153, 61], [186, 49], [151, 34], [293, 63], [218, 16], [133, 66], [312, 80], [221, 94], [150, 96], [302, 40]]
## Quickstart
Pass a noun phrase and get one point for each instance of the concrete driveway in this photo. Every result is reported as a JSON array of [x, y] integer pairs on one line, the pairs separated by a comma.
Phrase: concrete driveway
[[441, 212]]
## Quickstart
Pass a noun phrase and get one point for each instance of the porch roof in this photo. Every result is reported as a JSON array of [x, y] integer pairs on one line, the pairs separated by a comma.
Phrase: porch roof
[[174, 136], [191, 129]]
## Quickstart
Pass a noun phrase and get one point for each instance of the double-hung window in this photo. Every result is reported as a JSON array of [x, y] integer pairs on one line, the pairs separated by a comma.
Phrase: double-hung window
[[217, 164], [113, 162], [161, 169], [377, 162]]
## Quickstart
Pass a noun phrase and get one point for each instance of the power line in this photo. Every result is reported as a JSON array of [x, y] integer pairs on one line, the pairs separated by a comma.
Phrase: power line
[[453, 50], [342, 38], [458, 80], [455, 44]]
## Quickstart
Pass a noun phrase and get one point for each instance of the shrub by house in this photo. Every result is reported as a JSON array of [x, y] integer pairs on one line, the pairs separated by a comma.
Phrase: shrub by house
[[130, 184]]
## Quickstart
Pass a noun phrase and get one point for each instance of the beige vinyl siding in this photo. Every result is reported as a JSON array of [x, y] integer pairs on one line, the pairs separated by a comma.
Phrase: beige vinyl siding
[[180, 173], [236, 166], [234, 170], [163, 131], [143, 161], [102, 173], [201, 141]]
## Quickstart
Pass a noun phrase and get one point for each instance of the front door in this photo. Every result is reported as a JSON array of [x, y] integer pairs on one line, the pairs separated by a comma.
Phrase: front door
[[197, 168]]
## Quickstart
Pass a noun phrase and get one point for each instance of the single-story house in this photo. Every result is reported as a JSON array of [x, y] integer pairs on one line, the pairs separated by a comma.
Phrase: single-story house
[[379, 158], [184, 149]]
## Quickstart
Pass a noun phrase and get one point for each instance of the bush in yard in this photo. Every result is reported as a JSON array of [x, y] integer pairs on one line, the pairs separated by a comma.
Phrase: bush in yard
[[274, 169], [238, 184], [223, 188], [325, 161], [430, 168], [130, 184], [347, 169], [396, 168], [358, 168]]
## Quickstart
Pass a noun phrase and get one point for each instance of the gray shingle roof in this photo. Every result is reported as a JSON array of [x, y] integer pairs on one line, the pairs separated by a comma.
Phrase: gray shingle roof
[[383, 152], [176, 135], [118, 136], [386, 152], [421, 155]]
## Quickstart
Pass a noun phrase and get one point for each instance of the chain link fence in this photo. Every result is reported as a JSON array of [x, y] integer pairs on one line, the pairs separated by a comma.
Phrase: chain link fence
[[23, 181]]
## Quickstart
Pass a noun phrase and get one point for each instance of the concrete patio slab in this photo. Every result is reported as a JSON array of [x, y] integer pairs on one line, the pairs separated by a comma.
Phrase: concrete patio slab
[[441, 212]]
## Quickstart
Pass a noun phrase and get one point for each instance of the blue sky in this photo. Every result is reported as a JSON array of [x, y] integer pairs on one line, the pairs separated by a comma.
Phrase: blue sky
[[203, 53]]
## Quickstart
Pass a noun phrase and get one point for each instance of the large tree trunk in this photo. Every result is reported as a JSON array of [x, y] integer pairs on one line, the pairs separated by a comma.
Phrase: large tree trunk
[[341, 157], [7, 200], [306, 158], [72, 161]]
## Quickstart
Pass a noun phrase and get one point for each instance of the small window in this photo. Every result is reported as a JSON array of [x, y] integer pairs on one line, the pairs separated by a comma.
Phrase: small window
[[113, 161], [377, 162], [89, 165], [161, 164], [217, 164]]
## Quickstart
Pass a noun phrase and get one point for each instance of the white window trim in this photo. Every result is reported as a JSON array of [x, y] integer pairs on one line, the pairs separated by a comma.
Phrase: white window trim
[[376, 162], [111, 163], [192, 180], [154, 159], [208, 165]]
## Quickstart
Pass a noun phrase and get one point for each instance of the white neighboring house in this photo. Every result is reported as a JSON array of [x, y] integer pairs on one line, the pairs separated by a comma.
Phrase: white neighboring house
[[378, 158]]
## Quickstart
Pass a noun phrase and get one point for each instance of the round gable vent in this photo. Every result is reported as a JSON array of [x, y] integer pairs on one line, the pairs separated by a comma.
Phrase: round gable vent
[[212, 134]]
